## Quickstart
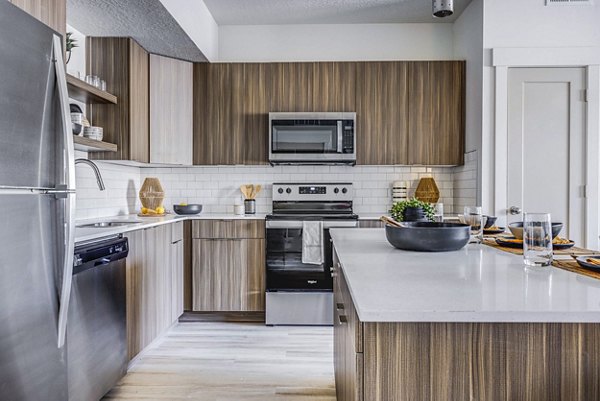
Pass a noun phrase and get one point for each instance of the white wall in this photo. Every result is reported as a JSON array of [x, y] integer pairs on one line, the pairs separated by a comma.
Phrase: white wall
[[529, 24], [468, 45], [339, 42]]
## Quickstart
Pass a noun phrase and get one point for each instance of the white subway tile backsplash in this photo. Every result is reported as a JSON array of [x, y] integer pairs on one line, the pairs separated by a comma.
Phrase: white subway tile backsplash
[[218, 187]]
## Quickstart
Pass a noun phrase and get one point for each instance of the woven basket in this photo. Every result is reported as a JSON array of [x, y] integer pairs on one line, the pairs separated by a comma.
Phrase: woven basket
[[151, 193], [427, 190]]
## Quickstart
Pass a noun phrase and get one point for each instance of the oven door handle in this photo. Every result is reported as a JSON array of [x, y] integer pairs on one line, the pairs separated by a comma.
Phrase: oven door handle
[[275, 224]]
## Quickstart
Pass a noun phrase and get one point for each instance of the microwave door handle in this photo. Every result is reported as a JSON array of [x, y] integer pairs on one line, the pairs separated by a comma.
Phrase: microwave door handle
[[339, 137]]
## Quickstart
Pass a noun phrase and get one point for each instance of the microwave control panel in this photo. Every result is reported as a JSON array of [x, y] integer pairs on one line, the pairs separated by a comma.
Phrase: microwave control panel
[[348, 136]]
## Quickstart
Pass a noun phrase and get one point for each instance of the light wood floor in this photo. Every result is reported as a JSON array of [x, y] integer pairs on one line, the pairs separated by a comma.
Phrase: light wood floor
[[234, 361]]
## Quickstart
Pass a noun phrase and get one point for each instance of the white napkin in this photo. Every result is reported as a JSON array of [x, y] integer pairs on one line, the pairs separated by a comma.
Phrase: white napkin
[[312, 242]]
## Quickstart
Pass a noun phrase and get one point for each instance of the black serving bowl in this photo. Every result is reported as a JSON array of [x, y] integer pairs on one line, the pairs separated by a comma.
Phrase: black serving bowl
[[187, 209], [516, 229], [490, 221], [428, 236]]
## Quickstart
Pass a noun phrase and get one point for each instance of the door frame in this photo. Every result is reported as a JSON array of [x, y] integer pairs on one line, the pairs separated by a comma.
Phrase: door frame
[[586, 57]]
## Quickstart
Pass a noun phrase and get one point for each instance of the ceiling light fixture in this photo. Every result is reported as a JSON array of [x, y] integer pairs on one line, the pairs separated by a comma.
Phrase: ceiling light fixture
[[443, 8]]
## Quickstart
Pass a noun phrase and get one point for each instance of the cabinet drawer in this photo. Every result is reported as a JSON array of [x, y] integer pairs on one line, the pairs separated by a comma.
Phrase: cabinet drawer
[[228, 229]]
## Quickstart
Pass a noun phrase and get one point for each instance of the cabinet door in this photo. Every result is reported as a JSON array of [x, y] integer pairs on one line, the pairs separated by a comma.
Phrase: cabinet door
[[170, 110], [292, 86], [231, 106], [216, 284], [334, 86], [218, 115], [228, 275], [176, 253], [382, 113], [436, 112], [134, 277], [253, 268], [149, 284], [249, 113]]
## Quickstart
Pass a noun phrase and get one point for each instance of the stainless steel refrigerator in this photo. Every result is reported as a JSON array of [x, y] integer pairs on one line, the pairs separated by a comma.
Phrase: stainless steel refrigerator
[[37, 203]]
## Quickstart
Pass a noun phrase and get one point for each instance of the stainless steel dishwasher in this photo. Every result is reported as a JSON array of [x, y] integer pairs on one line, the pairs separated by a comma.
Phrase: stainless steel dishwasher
[[96, 327]]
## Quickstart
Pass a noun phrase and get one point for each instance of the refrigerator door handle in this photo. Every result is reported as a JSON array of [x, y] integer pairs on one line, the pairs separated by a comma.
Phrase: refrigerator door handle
[[69, 176]]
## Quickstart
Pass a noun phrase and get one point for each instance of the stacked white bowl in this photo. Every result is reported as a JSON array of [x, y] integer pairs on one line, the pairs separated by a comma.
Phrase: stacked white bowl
[[95, 133]]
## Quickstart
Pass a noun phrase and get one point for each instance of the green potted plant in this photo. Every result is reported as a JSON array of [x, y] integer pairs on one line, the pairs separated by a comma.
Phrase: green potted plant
[[412, 210], [71, 43]]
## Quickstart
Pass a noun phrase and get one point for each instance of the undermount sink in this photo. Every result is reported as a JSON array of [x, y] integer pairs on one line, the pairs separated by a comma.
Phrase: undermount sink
[[107, 224]]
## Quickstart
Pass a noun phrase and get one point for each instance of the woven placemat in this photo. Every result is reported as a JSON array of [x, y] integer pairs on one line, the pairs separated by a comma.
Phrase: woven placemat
[[569, 265]]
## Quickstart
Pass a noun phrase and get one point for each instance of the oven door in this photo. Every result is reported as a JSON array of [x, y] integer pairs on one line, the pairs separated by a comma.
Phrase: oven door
[[285, 270]]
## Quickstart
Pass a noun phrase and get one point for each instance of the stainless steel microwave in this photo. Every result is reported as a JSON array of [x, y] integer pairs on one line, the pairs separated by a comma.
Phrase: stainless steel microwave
[[312, 138]]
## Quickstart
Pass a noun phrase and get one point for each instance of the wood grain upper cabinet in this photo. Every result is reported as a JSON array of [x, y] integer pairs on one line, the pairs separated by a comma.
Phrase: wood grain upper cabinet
[[321, 86], [292, 87], [436, 113], [51, 12], [334, 87], [382, 113], [231, 106], [171, 84], [124, 65]]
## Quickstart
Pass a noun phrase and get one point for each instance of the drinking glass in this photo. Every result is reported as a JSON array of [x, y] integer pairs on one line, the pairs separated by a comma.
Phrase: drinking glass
[[438, 212], [537, 239], [473, 216]]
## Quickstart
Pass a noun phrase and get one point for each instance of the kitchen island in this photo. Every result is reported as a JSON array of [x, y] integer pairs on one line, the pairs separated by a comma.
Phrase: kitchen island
[[474, 324]]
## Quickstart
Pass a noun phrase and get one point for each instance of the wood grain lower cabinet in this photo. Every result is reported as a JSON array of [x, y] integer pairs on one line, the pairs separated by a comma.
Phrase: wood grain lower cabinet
[[228, 275], [228, 265], [347, 334], [154, 284], [425, 361]]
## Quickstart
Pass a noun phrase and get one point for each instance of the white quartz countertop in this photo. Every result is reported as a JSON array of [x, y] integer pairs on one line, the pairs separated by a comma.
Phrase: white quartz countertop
[[475, 284], [84, 234]]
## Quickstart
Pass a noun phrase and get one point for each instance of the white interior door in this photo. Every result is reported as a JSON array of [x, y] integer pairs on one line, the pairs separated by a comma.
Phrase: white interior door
[[546, 146]]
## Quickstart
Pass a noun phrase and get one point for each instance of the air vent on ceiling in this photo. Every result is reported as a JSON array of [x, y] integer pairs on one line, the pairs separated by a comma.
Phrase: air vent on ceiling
[[569, 2]]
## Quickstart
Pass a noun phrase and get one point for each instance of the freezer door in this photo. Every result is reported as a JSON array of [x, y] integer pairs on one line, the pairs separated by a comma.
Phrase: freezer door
[[32, 141], [33, 366]]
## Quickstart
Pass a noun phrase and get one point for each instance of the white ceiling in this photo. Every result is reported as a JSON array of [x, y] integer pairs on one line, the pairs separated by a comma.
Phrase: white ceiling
[[273, 12]]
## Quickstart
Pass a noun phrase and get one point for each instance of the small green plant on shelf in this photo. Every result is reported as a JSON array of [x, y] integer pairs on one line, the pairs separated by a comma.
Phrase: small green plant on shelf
[[70, 43], [399, 209]]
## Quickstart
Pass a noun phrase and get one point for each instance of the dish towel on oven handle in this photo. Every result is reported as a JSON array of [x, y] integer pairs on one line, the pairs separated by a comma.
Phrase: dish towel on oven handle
[[312, 242]]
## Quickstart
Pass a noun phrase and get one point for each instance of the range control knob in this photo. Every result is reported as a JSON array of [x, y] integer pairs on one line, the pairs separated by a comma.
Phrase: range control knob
[[280, 190], [289, 190], [336, 190], [344, 190]]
